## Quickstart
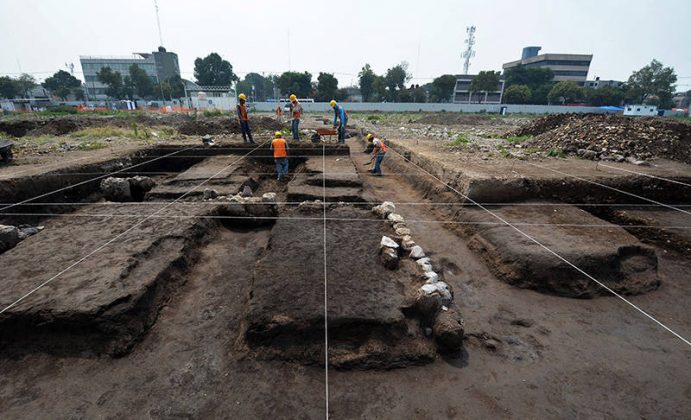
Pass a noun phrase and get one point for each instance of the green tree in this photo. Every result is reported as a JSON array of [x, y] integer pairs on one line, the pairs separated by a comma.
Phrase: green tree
[[176, 87], [61, 84], [292, 82], [367, 78], [9, 88], [341, 95], [533, 77], [415, 94], [517, 94], [607, 95], [263, 86], [395, 79], [26, 82], [653, 84], [212, 70], [113, 80], [327, 85], [379, 88], [540, 94], [140, 82], [443, 88], [566, 92], [485, 81]]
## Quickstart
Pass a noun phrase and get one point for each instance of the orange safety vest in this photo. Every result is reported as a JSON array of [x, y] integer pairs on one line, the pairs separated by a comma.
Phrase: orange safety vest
[[279, 147], [382, 146]]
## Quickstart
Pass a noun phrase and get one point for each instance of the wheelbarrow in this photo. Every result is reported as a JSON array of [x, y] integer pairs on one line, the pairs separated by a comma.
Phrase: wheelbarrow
[[326, 132], [6, 151]]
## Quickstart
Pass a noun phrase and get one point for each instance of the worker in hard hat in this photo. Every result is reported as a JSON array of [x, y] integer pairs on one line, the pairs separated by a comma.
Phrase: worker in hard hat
[[279, 146], [244, 119], [342, 117], [296, 113], [378, 152]]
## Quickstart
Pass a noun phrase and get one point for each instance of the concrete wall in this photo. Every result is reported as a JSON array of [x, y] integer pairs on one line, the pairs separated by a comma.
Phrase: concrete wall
[[428, 107]]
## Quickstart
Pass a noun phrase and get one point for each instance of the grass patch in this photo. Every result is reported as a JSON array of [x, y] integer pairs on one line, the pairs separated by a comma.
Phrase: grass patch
[[100, 132], [460, 140], [504, 151], [93, 145], [374, 118], [213, 113], [556, 153], [518, 139]]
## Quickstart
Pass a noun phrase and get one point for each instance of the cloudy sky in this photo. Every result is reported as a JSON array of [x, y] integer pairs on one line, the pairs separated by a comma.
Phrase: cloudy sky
[[40, 36]]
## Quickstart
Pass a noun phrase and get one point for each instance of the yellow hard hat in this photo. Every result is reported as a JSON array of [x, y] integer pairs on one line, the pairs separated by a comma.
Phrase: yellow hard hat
[[242, 96], [293, 97], [370, 136], [332, 103], [278, 134]]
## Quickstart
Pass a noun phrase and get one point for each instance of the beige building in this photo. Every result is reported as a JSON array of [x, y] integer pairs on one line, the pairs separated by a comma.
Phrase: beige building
[[572, 67]]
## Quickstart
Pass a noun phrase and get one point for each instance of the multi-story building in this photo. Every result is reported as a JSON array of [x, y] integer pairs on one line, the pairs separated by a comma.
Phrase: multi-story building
[[159, 65], [573, 67], [463, 95]]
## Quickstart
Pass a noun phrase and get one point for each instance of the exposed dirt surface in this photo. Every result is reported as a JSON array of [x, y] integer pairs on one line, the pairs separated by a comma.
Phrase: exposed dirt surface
[[610, 135], [527, 354], [461, 119], [607, 253], [227, 125]]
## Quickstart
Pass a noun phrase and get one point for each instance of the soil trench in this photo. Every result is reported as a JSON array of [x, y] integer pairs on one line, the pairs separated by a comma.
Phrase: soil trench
[[195, 360]]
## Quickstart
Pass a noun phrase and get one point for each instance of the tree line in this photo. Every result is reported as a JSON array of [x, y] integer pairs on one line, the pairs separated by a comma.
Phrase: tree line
[[653, 84]]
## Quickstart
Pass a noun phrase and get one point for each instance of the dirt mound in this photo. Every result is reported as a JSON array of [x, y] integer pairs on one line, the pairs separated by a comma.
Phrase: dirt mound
[[226, 125], [56, 126], [611, 137]]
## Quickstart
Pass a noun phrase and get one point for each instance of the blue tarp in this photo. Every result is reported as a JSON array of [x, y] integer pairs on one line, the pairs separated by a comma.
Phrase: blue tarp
[[612, 108]]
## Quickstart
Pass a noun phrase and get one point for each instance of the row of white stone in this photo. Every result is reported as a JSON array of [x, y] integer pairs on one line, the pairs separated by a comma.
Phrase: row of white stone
[[389, 248]]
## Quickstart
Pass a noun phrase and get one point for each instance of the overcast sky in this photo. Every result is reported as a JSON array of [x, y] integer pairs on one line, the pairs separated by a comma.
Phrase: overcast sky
[[40, 36]]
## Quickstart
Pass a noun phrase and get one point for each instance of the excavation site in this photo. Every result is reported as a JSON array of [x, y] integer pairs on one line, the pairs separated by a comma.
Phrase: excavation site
[[178, 277]]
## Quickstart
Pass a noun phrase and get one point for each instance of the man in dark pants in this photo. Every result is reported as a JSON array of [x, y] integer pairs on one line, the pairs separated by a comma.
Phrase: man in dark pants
[[244, 120], [296, 114], [342, 117]]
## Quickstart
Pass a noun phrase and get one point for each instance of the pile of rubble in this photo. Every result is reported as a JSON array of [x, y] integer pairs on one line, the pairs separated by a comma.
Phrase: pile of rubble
[[611, 137], [10, 236]]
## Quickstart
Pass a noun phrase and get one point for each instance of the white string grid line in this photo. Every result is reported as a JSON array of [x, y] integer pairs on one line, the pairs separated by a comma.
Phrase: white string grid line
[[611, 188], [645, 175], [346, 219], [82, 259], [604, 286], [326, 289], [170, 155]]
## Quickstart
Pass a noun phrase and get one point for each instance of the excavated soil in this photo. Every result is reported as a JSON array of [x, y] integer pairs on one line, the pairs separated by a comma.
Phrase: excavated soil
[[527, 354], [639, 137], [227, 126]]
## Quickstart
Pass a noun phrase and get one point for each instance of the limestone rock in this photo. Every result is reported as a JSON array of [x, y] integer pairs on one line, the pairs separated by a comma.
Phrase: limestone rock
[[387, 242], [246, 191], [209, 194], [9, 237], [384, 209], [417, 252], [403, 232], [395, 218], [440, 288], [116, 189], [269, 197], [389, 257], [431, 277], [449, 330], [407, 243], [425, 264]]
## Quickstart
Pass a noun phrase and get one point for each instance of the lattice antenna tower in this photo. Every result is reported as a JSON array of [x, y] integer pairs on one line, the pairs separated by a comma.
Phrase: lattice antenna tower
[[469, 51], [158, 22]]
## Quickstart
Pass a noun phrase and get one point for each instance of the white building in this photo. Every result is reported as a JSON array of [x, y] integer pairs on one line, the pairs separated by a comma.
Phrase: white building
[[640, 110]]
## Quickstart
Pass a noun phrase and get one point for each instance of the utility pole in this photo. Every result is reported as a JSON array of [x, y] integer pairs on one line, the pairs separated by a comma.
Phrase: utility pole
[[158, 21], [469, 51]]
